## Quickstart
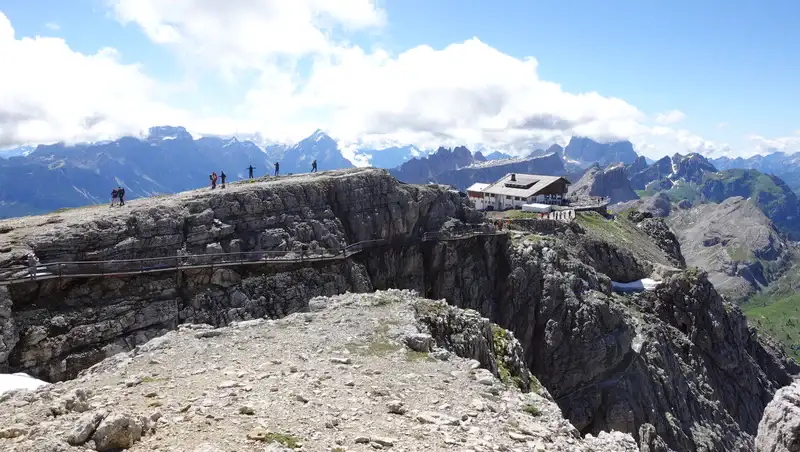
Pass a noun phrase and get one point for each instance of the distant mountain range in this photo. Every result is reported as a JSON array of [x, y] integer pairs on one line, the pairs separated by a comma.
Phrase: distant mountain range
[[169, 160], [694, 179], [49, 177], [785, 166]]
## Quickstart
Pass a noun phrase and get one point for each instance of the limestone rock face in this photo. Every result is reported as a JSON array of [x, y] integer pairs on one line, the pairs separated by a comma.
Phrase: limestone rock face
[[661, 234], [658, 170], [611, 182], [779, 429], [638, 165], [8, 327], [735, 242], [691, 167], [108, 315], [659, 205], [468, 334], [587, 150], [623, 362]]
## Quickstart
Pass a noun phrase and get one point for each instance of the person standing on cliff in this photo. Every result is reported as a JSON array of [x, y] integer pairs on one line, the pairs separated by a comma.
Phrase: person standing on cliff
[[223, 176], [277, 169], [121, 194], [314, 166], [33, 265], [250, 168], [114, 194], [213, 180]]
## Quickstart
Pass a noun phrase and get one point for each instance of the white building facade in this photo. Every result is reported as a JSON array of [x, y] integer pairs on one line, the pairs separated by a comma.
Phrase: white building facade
[[513, 190]]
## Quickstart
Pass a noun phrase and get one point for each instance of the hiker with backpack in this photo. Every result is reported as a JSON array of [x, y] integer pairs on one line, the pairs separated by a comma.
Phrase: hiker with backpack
[[314, 166], [277, 169], [121, 194], [213, 178], [222, 176], [250, 168], [114, 195]]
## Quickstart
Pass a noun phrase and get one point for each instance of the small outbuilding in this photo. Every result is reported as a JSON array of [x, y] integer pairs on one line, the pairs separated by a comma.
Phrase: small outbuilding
[[537, 208]]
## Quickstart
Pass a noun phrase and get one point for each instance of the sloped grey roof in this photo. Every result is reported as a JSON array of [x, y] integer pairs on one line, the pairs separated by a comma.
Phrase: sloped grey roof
[[539, 183]]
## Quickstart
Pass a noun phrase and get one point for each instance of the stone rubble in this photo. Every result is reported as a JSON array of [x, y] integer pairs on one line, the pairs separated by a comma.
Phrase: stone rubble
[[779, 429], [339, 378]]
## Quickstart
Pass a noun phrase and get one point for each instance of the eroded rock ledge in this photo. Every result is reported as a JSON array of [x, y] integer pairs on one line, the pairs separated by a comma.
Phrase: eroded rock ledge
[[58, 327]]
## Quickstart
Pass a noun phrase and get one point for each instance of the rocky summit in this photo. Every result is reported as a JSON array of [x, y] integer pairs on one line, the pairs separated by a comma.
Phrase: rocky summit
[[735, 242], [229, 357], [608, 183]]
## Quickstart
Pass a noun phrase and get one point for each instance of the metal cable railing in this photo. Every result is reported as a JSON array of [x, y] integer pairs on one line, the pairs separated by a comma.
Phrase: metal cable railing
[[119, 267]]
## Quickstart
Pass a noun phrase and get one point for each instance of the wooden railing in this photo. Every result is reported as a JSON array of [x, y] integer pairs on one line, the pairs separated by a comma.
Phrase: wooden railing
[[120, 267]]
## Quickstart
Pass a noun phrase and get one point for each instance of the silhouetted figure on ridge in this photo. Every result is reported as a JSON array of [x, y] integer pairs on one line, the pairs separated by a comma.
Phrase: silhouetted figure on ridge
[[250, 168], [314, 166], [121, 194], [277, 168], [223, 176]]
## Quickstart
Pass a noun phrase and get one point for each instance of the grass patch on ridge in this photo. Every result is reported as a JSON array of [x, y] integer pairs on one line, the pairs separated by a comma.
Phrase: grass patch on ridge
[[779, 318]]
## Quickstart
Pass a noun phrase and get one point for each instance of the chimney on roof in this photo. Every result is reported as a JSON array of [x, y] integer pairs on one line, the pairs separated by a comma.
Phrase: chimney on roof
[[513, 177]]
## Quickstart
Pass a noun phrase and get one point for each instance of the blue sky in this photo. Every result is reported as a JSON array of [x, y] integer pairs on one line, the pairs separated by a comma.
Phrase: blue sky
[[717, 61], [728, 66]]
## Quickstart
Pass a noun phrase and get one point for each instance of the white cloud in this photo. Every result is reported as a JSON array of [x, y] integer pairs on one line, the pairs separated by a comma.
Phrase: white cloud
[[245, 34], [54, 93], [53, 26], [762, 145], [670, 117], [465, 93], [658, 141]]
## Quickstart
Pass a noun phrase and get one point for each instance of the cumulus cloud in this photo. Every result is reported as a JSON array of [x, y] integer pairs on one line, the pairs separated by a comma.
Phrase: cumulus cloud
[[788, 144], [465, 93], [663, 140], [670, 117], [245, 34], [55, 94], [308, 76]]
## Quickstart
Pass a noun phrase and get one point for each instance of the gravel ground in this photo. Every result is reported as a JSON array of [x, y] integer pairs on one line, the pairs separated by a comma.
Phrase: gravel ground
[[338, 378]]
